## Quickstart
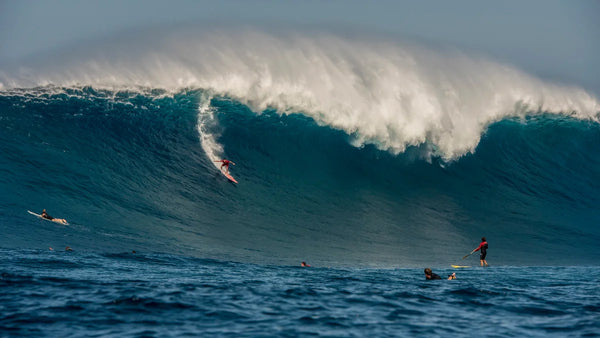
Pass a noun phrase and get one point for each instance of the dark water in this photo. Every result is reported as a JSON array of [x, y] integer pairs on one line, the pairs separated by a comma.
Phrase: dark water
[[58, 293]]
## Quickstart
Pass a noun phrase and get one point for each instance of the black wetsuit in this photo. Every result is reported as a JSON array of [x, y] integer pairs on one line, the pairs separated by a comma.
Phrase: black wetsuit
[[432, 276]]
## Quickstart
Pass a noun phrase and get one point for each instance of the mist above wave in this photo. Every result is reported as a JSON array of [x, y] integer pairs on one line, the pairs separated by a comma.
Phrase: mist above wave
[[380, 91]]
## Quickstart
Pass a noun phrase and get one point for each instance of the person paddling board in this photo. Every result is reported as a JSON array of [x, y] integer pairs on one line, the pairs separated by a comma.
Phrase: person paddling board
[[45, 215], [483, 246]]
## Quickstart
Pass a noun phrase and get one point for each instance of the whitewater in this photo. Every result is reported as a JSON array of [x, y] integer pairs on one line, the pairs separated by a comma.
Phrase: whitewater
[[390, 93]]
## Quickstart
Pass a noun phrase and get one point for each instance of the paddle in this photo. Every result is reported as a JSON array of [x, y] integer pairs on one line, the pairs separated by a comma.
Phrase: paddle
[[465, 256]]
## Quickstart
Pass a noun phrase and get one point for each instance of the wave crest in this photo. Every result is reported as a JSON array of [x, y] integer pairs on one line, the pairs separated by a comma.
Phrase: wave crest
[[384, 92]]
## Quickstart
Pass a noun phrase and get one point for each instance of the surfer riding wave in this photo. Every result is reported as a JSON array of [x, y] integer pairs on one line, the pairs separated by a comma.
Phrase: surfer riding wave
[[225, 164]]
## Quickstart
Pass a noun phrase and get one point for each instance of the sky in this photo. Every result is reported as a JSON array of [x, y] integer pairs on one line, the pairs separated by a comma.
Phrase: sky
[[556, 40]]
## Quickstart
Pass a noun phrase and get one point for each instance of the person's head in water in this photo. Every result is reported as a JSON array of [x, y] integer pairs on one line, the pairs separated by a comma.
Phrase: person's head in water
[[430, 275]]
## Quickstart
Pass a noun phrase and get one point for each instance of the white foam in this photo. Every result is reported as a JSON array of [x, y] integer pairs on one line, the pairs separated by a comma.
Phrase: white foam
[[206, 130], [389, 93]]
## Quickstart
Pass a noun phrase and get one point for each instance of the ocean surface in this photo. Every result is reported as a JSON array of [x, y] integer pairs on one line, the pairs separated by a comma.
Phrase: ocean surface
[[70, 293], [369, 166]]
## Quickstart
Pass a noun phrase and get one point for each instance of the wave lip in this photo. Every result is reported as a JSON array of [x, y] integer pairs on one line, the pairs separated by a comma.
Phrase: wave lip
[[388, 93]]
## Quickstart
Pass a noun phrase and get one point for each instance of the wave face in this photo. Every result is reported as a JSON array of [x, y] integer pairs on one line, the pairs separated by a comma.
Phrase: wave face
[[129, 170], [347, 152]]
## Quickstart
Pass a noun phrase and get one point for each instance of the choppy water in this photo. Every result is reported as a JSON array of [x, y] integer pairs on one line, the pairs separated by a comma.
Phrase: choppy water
[[58, 293]]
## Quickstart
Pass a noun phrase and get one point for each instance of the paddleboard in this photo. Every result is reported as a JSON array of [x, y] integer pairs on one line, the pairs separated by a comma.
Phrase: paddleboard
[[460, 266], [229, 177], [55, 220]]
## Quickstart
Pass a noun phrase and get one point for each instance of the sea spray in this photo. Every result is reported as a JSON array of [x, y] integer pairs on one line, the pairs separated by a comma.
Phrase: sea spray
[[389, 93]]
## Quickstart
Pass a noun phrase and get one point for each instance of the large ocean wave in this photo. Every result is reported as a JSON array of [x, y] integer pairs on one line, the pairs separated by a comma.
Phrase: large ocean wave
[[389, 93], [370, 152], [135, 170]]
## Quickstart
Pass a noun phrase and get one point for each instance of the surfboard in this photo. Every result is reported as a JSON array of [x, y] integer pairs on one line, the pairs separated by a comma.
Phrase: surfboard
[[229, 177], [460, 266], [56, 220]]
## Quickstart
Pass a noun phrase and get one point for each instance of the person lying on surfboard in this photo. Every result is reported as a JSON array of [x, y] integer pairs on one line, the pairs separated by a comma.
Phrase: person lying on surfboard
[[225, 164], [48, 217], [429, 275]]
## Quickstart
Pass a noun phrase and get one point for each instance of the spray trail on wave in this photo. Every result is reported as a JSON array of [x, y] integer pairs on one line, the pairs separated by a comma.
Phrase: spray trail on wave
[[207, 130]]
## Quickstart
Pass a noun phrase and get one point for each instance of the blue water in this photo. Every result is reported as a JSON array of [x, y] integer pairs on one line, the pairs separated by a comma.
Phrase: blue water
[[58, 293], [130, 172]]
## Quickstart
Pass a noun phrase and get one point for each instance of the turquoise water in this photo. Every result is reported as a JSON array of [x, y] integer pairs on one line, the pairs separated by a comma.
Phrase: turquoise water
[[133, 170]]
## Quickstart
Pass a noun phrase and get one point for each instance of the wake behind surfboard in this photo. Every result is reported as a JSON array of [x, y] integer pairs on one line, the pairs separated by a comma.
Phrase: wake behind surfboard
[[55, 220]]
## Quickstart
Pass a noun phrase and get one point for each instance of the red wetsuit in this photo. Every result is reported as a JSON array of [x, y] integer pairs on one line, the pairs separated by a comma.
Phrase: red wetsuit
[[483, 247], [225, 163]]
